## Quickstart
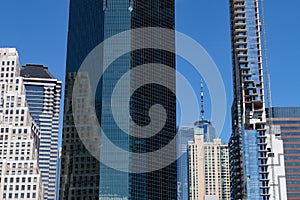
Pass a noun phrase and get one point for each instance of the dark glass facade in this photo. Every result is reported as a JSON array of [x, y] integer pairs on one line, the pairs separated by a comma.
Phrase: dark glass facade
[[288, 118], [90, 23], [79, 174]]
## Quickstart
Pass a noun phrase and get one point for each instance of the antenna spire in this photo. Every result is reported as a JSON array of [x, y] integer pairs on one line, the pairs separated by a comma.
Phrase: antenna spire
[[202, 100]]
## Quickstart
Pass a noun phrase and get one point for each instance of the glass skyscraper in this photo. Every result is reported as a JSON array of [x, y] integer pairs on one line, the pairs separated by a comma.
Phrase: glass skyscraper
[[185, 135], [79, 174], [288, 118], [43, 92], [90, 23]]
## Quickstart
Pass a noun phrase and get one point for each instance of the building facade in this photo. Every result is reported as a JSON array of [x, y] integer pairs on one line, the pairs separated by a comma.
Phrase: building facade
[[217, 174], [185, 134], [20, 175], [288, 119], [248, 145], [43, 93], [80, 171], [89, 24], [196, 166], [208, 168]]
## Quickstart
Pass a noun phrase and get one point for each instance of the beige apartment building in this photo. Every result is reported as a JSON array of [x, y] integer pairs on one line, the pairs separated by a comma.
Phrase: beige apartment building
[[208, 166]]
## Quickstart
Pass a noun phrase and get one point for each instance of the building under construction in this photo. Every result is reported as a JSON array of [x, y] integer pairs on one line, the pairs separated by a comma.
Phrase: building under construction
[[254, 164]]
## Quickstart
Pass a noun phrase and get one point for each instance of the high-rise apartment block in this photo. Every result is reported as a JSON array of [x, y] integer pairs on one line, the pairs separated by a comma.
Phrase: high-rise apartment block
[[43, 92], [288, 121], [208, 168], [217, 174], [20, 175], [252, 154]]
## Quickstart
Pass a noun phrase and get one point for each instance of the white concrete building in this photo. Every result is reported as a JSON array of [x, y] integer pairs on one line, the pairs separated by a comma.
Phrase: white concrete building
[[20, 176], [276, 164]]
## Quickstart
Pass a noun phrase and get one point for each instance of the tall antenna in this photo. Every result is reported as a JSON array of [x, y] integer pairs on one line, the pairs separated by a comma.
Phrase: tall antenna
[[202, 100]]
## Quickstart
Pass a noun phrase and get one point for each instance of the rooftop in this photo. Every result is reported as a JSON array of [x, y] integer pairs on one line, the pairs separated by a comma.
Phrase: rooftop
[[36, 71]]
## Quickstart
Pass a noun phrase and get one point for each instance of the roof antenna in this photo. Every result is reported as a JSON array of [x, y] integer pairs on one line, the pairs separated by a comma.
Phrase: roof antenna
[[202, 101]]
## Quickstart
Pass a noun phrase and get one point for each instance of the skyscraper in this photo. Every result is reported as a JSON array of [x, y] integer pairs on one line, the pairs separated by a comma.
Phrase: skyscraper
[[250, 145], [196, 166], [288, 118], [79, 174], [20, 175], [208, 167], [90, 23], [43, 93], [185, 134]]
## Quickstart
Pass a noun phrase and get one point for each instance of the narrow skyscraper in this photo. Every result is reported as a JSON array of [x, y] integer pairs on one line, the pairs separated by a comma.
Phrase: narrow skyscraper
[[185, 134], [253, 161], [80, 171], [43, 92], [20, 175]]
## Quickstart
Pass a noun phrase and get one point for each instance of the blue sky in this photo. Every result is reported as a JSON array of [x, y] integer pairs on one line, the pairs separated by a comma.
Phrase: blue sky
[[38, 29]]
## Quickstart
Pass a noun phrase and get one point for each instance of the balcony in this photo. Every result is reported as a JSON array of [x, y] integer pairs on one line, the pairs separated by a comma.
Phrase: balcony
[[258, 110], [262, 150], [265, 195], [264, 187], [264, 172], [239, 11], [262, 143]]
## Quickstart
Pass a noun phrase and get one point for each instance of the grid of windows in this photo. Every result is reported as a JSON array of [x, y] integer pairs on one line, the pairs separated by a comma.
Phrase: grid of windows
[[43, 93], [208, 168], [288, 118], [85, 32], [20, 175], [79, 175]]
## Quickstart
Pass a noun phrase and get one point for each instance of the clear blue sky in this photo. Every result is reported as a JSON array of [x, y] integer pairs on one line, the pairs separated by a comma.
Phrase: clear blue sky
[[38, 29]]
